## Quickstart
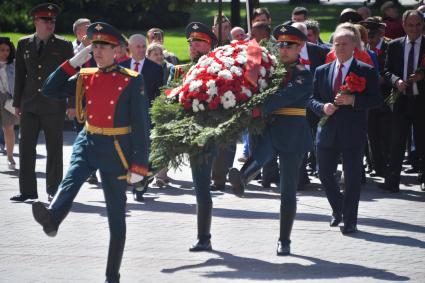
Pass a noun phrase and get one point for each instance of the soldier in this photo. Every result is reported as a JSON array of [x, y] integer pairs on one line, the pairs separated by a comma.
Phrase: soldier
[[115, 138], [287, 112], [37, 56]]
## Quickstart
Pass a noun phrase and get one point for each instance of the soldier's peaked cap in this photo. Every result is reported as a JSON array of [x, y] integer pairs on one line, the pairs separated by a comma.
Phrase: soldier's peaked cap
[[287, 35], [199, 31], [104, 33], [45, 10]]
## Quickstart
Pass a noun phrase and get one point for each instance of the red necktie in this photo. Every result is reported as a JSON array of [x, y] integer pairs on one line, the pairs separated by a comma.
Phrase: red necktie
[[338, 80], [136, 66]]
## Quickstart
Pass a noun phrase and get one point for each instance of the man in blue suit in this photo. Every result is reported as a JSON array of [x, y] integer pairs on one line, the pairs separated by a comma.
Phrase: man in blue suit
[[152, 77], [345, 129]]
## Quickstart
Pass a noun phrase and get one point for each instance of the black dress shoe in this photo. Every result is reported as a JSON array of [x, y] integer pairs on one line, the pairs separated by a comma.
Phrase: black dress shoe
[[237, 182], [138, 195], [22, 197], [348, 229], [201, 245], [411, 170], [389, 188], [215, 187], [283, 248], [92, 180], [43, 217], [335, 220]]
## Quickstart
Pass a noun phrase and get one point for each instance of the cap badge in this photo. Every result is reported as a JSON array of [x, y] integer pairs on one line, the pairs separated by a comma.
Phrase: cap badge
[[195, 26], [98, 27], [50, 7], [283, 29]]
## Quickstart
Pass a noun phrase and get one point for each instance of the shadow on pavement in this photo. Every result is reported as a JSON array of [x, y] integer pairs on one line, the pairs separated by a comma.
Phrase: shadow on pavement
[[255, 269], [391, 240]]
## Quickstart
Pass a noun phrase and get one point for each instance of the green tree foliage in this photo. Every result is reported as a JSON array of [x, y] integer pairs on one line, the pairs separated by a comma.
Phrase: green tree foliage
[[124, 14]]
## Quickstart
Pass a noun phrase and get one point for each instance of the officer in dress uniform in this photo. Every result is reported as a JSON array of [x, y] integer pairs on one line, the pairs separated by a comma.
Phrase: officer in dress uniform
[[37, 56], [201, 41], [287, 133], [115, 138]]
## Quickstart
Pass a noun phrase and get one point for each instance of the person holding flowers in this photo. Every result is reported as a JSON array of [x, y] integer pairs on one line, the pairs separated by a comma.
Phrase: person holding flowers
[[287, 133], [344, 91]]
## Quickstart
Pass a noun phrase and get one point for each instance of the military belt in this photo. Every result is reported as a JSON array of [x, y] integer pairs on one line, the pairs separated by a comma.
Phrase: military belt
[[290, 111], [107, 131]]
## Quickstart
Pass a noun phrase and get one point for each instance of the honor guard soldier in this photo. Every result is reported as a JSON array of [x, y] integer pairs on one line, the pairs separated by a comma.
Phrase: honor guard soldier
[[201, 41], [115, 138], [37, 56], [287, 133]]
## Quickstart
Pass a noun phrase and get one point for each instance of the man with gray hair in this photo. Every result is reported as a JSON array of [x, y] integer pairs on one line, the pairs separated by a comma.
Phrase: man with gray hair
[[345, 130], [152, 76], [80, 30]]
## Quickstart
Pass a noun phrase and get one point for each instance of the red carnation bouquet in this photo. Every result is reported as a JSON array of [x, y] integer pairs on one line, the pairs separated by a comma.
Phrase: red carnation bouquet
[[353, 84]]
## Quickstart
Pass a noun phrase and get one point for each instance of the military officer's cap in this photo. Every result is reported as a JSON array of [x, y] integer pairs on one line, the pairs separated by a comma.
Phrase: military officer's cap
[[287, 35], [350, 15], [45, 10], [372, 23], [100, 32], [197, 31]]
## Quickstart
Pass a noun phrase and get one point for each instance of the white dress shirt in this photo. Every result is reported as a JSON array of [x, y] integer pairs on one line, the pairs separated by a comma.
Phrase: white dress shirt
[[344, 70], [133, 64], [304, 55], [407, 47]]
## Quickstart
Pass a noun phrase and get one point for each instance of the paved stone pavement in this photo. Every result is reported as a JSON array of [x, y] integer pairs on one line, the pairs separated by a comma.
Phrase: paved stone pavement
[[389, 247]]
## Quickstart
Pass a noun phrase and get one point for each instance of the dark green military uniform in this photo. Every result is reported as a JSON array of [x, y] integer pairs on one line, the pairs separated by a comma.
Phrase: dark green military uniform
[[38, 112]]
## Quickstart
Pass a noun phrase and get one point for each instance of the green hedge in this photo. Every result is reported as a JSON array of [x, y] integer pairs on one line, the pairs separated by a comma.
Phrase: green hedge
[[124, 14]]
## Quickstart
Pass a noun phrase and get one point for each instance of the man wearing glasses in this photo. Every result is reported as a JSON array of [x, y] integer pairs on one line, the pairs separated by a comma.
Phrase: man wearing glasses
[[37, 56]]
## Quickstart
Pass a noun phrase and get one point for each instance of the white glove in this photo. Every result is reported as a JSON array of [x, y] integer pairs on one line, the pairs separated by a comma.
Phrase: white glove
[[81, 57], [135, 178]]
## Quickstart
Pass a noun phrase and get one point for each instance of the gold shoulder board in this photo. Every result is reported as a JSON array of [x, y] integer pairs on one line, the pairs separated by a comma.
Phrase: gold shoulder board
[[129, 72], [88, 71]]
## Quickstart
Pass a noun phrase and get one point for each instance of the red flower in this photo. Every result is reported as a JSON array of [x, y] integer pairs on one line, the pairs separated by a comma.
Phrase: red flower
[[256, 112], [355, 83]]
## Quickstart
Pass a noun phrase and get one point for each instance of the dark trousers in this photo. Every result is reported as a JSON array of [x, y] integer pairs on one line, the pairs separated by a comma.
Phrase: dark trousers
[[289, 165], [401, 122], [379, 135], [352, 159], [201, 174], [30, 126], [221, 164]]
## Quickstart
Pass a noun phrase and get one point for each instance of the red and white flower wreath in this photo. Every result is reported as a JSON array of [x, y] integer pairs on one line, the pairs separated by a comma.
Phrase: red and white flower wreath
[[218, 80]]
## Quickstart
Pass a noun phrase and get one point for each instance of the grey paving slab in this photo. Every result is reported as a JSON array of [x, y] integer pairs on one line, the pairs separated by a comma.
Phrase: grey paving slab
[[389, 247]]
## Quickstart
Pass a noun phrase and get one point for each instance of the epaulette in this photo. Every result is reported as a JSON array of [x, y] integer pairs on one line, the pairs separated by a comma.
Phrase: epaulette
[[88, 71], [129, 72]]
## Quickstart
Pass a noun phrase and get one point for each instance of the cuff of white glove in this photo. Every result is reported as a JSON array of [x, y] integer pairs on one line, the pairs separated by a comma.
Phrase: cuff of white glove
[[135, 178]]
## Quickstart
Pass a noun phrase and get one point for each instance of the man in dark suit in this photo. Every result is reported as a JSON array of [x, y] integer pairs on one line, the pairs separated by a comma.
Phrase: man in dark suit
[[378, 130], [404, 70], [345, 129], [152, 76], [37, 56]]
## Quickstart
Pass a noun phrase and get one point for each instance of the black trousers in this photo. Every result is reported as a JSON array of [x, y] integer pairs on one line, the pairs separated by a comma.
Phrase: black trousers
[[409, 111], [379, 136], [221, 164], [30, 126]]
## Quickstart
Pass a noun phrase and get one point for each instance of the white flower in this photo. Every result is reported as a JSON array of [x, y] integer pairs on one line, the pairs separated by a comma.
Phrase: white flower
[[274, 60], [241, 59], [228, 100], [208, 61], [262, 84], [226, 74], [194, 85], [247, 91], [265, 57], [219, 53], [228, 51], [212, 89], [201, 107], [202, 58], [227, 61], [236, 70], [188, 79], [264, 49], [263, 71], [195, 105], [214, 68], [271, 70]]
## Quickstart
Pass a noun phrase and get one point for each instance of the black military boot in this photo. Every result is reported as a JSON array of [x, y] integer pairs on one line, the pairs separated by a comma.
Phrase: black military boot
[[44, 217], [204, 215], [116, 249], [239, 179], [286, 221]]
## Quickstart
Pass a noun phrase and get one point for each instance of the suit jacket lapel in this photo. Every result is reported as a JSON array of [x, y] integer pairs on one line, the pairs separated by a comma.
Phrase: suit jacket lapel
[[403, 44], [330, 79]]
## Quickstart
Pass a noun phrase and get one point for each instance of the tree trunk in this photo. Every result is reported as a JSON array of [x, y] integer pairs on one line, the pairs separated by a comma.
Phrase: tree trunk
[[235, 13]]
